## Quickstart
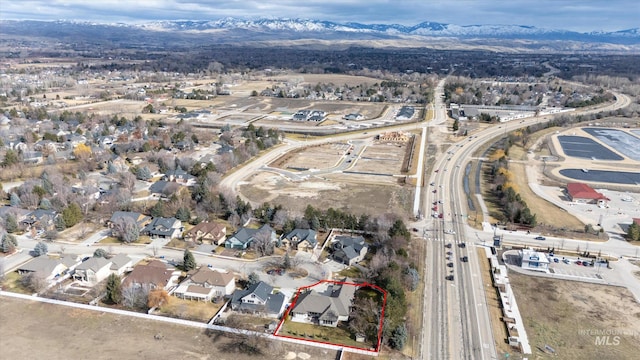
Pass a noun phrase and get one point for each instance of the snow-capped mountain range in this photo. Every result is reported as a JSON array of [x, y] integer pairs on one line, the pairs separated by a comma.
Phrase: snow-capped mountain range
[[426, 28], [285, 31]]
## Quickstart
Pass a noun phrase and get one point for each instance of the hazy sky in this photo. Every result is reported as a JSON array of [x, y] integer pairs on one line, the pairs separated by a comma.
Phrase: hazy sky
[[577, 15]]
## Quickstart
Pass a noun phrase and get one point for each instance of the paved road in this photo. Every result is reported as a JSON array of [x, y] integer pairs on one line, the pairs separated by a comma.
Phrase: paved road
[[472, 325]]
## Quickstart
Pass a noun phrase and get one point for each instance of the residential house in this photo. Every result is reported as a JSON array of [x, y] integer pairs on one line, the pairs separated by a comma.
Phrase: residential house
[[43, 266], [155, 274], [18, 213], [180, 176], [140, 219], [324, 308], [259, 298], [164, 188], [243, 238], [93, 270], [301, 239], [40, 219], [70, 261], [206, 284], [349, 250], [163, 228], [211, 232], [120, 264]]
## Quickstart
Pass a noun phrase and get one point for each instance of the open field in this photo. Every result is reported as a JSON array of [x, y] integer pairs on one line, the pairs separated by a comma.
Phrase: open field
[[568, 316], [337, 79], [315, 157], [546, 213], [344, 191], [381, 158], [81, 334]]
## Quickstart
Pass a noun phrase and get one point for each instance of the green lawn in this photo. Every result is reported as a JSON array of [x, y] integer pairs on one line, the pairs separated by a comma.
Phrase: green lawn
[[339, 335]]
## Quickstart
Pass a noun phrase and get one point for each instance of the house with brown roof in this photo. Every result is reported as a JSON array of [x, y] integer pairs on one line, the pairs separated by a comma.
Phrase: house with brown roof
[[206, 284], [210, 232], [155, 274], [584, 194]]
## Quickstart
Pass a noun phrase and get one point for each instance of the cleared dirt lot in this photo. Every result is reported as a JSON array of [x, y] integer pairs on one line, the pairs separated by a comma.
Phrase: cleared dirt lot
[[366, 186], [381, 158], [568, 316], [33, 330], [315, 157], [338, 192]]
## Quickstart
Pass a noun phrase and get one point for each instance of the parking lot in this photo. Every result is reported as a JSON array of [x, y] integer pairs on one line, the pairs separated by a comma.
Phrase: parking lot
[[578, 271]]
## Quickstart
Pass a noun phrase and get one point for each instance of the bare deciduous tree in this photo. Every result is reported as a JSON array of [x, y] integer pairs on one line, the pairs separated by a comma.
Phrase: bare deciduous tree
[[136, 297], [262, 243]]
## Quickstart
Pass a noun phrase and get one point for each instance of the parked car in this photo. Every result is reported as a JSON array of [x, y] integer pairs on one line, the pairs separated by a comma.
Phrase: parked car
[[578, 262], [465, 259], [556, 260], [449, 277], [450, 264], [540, 238], [566, 261], [462, 245]]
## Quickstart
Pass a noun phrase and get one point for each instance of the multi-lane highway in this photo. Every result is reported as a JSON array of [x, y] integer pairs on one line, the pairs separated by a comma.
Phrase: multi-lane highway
[[458, 324]]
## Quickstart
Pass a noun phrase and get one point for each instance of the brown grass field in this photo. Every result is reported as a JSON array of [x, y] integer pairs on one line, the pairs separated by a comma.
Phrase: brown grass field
[[34, 330], [564, 314]]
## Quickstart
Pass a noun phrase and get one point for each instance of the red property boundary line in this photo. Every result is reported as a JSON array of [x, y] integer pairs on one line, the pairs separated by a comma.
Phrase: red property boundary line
[[358, 285]]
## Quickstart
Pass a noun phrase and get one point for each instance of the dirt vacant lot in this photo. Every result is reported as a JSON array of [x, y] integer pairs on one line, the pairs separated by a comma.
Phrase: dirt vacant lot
[[33, 330], [358, 194], [314, 157], [381, 158], [569, 316]]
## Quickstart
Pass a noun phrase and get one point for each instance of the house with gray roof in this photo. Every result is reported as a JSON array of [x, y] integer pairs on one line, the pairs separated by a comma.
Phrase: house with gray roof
[[325, 308], [120, 263], [93, 270], [46, 267], [243, 238], [349, 250], [40, 219], [259, 298], [300, 239], [180, 176], [163, 228]]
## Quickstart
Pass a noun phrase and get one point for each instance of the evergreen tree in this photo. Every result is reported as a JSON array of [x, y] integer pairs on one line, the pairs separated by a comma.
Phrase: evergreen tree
[[188, 261], [114, 289], [100, 253], [40, 249], [72, 214], [183, 214], [398, 337], [9, 243], [59, 223], [11, 223], [15, 200]]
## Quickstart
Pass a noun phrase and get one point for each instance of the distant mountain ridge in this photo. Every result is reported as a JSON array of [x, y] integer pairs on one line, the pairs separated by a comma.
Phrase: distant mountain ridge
[[426, 28], [285, 30]]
